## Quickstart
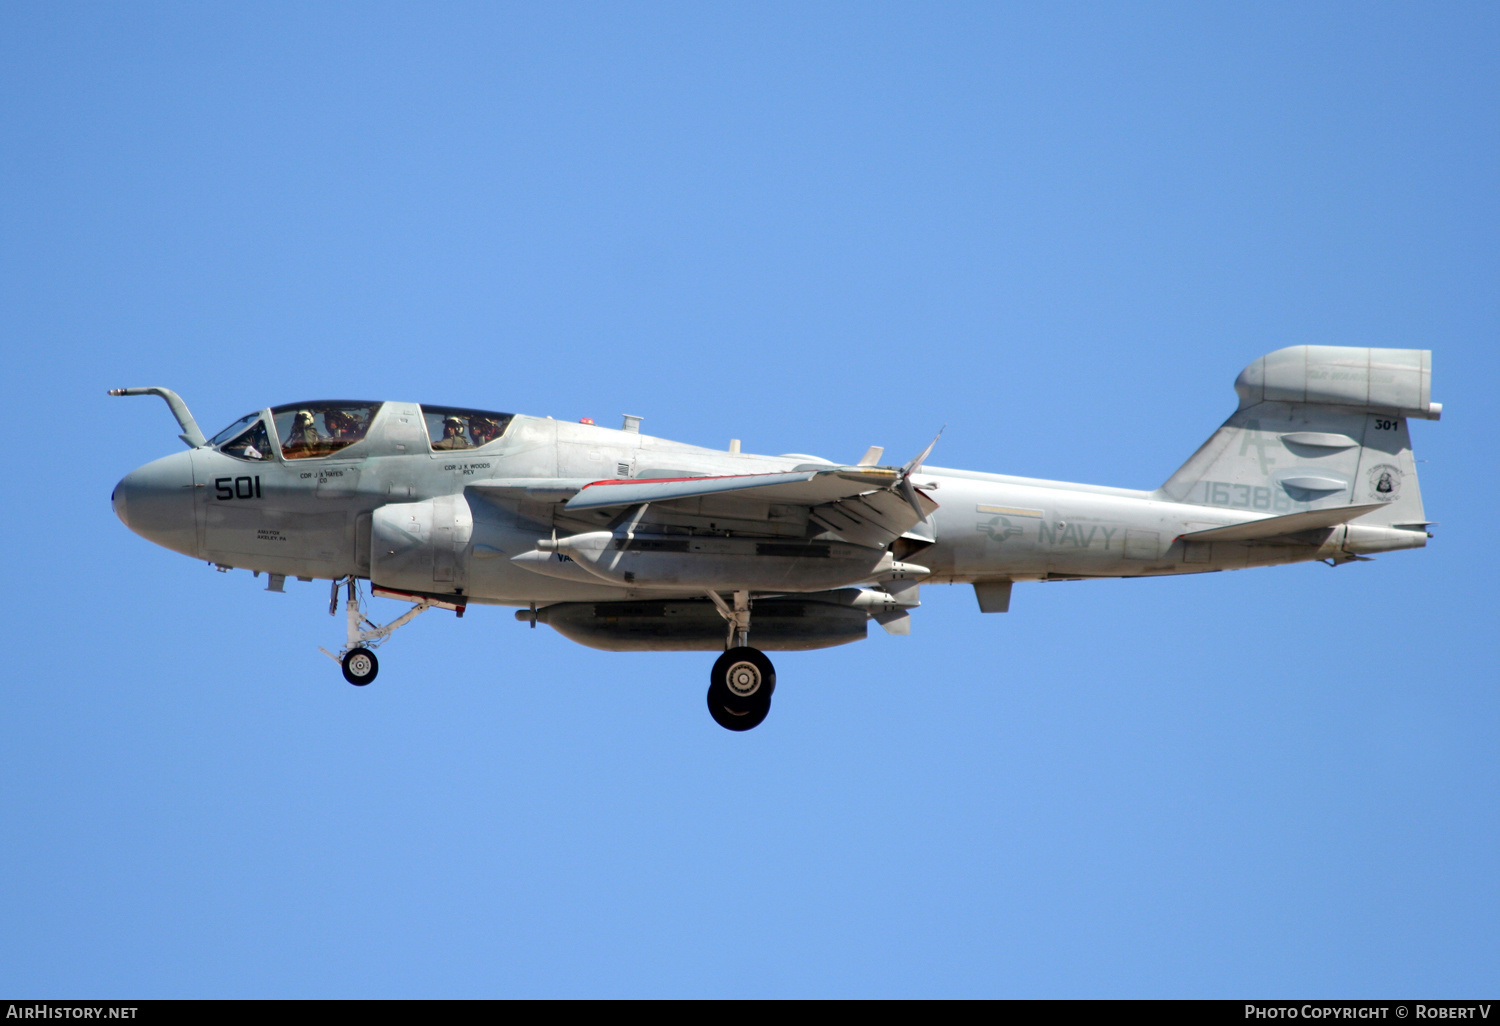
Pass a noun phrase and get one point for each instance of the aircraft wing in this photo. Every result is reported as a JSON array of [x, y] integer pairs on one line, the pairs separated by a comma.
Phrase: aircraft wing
[[864, 505], [1275, 527], [537, 489], [802, 487]]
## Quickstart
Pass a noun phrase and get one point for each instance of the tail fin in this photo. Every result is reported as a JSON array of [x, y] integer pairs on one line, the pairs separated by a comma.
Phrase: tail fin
[[1317, 427]]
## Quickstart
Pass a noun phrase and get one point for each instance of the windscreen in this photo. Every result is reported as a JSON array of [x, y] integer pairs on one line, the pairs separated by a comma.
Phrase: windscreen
[[245, 439], [311, 430], [235, 428]]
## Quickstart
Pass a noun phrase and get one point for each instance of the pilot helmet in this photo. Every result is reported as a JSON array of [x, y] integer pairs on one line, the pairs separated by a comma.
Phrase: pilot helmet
[[304, 419], [452, 421]]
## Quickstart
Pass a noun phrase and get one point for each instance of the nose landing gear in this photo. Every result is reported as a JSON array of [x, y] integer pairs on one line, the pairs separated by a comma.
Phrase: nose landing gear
[[356, 658], [743, 679]]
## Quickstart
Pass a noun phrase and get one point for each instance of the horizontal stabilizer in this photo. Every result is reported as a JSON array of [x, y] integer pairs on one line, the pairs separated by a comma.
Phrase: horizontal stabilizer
[[1275, 527]]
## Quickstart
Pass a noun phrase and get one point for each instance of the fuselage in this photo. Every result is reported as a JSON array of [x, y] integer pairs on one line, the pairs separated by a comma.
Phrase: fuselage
[[311, 515]]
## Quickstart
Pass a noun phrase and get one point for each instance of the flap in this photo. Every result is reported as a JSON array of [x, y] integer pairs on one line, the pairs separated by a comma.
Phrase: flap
[[874, 518], [1275, 527]]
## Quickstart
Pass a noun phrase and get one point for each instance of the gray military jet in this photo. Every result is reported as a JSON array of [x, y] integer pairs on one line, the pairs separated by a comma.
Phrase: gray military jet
[[626, 542]]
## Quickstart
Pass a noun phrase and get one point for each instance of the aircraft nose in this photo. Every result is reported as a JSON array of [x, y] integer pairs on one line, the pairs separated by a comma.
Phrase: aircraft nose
[[117, 500], [156, 502]]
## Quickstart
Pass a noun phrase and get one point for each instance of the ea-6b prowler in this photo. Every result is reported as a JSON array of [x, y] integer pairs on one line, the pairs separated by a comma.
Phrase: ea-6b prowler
[[626, 542]]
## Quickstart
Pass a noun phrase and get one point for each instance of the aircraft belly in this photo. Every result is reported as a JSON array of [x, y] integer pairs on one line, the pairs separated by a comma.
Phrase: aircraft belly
[[757, 572], [526, 588], [661, 625]]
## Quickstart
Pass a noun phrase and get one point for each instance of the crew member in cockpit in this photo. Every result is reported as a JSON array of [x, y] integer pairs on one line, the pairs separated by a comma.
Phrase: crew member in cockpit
[[453, 435], [304, 439], [483, 429], [252, 445], [340, 426]]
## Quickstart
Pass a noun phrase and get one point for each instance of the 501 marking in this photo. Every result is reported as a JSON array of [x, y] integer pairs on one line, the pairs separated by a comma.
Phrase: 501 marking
[[237, 488]]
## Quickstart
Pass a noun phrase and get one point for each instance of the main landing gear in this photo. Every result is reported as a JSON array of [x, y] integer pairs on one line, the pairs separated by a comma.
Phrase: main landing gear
[[740, 688], [356, 658], [742, 680]]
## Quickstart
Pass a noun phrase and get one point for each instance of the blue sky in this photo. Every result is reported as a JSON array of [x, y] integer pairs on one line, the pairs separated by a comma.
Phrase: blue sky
[[1059, 229]]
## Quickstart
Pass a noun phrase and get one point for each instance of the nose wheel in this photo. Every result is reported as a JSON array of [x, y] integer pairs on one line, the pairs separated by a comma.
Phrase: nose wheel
[[740, 688], [360, 666]]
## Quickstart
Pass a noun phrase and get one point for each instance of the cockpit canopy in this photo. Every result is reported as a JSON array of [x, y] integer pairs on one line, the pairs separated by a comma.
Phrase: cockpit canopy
[[315, 429], [453, 427], [310, 430]]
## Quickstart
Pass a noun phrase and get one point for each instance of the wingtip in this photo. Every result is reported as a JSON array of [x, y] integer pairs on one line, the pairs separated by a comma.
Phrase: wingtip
[[911, 468]]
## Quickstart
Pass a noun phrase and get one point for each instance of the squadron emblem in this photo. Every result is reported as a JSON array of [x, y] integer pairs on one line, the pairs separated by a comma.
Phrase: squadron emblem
[[1385, 482]]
